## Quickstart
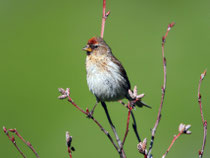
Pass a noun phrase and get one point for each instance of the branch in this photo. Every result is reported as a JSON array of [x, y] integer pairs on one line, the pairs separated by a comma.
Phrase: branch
[[183, 129], [121, 151], [14, 142], [134, 125], [66, 94], [163, 90], [135, 97], [202, 117], [68, 143], [104, 17], [127, 127]]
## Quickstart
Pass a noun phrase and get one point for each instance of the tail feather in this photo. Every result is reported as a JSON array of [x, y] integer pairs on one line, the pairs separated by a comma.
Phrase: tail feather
[[139, 103]]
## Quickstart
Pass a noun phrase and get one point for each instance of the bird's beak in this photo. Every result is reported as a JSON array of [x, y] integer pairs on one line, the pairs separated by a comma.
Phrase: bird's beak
[[87, 48]]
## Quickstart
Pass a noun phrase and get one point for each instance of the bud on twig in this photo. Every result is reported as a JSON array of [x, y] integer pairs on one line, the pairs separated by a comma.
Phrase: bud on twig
[[184, 128], [65, 93], [68, 139], [142, 146], [134, 95], [5, 130], [203, 74], [61, 90]]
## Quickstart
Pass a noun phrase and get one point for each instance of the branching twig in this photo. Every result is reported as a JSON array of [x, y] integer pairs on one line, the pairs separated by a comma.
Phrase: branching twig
[[65, 94], [183, 129], [134, 125], [13, 141], [202, 117], [127, 126], [136, 97], [163, 91], [104, 17]]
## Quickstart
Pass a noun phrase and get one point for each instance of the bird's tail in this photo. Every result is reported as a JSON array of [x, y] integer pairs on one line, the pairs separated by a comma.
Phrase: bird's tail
[[139, 103]]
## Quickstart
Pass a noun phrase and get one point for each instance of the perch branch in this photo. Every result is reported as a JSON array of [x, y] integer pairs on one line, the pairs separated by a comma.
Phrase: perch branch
[[66, 94], [104, 17], [163, 91], [135, 97], [204, 122], [134, 125]]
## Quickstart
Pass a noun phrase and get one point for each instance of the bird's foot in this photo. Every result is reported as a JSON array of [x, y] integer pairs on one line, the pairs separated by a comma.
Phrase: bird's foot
[[132, 103], [90, 114]]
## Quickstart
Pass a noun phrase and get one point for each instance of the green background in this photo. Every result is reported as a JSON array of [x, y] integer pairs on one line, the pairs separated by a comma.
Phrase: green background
[[41, 50]]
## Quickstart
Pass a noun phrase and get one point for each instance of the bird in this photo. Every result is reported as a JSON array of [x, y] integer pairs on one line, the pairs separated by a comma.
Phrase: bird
[[106, 77]]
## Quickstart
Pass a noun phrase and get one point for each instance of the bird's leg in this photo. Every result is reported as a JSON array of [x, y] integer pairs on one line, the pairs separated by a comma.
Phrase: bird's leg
[[111, 124], [92, 111]]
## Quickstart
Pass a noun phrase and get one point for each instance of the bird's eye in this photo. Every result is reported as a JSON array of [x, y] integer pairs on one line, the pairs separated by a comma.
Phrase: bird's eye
[[95, 46]]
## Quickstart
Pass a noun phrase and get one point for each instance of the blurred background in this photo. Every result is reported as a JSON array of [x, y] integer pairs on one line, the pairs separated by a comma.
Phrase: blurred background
[[41, 45]]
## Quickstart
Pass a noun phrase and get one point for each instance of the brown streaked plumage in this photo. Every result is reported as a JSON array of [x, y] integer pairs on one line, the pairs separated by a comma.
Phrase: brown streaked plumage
[[106, 77]]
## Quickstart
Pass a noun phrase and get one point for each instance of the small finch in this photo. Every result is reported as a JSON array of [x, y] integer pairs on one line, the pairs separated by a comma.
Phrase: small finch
[[106, 77]]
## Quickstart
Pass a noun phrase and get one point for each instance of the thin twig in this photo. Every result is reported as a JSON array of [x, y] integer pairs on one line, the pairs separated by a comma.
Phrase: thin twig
[[127, 126], [87, 113], [26, 142], [134, 125], [204, 122], [13, 141], [68, 143], [173, 141], [183, 129], [69, 151], [135, 98], [163, 91], [104, 17], [106, 132]]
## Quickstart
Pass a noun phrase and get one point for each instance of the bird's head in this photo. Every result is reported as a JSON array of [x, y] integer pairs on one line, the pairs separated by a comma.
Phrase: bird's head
[[97, 46]]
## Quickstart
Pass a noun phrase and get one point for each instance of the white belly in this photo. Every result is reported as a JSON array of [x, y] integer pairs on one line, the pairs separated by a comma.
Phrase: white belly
[[106, 84]]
